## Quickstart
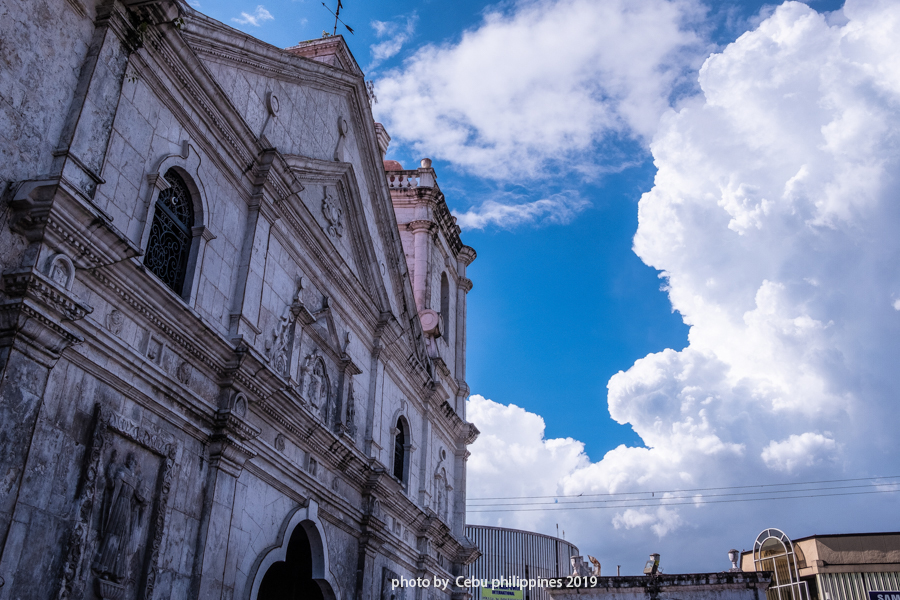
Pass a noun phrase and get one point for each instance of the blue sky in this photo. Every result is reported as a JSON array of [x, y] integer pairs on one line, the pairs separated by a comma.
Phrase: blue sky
[[685, 225], [556, 309]]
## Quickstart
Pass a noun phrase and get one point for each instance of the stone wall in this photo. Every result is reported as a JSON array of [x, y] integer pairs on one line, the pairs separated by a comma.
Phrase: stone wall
[[183, 437]]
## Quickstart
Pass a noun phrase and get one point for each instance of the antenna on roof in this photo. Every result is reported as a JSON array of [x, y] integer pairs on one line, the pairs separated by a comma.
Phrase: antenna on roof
[[337, 17]]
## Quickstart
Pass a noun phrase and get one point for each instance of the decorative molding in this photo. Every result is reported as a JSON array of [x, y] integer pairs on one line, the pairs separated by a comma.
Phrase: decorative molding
[[36, 286], [227, 449], [175, 335], [343, 129], [334, 214]]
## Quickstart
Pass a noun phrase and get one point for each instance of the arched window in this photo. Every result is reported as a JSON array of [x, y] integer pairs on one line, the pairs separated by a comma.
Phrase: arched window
[[773, 551], [445, 305], [400, 448], [169, 245]]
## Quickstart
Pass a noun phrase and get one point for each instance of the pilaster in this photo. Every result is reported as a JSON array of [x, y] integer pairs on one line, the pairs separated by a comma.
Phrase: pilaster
[[228, 453]]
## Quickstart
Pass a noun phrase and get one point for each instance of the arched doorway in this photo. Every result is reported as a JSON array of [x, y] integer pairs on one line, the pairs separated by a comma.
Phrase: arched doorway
[[292, 578], [297, 566]]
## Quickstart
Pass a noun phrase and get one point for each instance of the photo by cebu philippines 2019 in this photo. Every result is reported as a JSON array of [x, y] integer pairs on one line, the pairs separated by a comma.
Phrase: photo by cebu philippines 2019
[[470, 300]]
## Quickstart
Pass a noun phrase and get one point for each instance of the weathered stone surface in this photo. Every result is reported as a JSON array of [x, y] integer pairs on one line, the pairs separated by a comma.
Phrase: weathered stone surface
[[182, 437]]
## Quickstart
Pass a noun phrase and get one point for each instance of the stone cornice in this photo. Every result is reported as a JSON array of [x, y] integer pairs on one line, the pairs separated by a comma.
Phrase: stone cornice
[[421, 226], [467, 254]]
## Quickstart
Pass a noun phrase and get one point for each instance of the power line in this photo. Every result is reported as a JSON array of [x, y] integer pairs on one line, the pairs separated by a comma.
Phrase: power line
[[734, 487], [844, 487], [557, 507]]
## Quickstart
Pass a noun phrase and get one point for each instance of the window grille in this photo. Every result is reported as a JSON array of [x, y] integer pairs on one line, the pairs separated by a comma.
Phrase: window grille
[[170, 240]]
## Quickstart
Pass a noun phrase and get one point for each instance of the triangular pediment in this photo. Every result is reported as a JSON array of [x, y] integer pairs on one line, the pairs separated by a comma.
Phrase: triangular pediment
[[324, 327], [332, 198], [326, 177]]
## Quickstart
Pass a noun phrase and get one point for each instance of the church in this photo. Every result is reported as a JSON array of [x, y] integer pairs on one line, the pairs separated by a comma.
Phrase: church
[[232, 336]]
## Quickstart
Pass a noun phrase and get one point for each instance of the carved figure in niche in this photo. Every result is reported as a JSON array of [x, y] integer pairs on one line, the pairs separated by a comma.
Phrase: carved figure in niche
[[279, 442], [441, 490], [123, 509], [351, 411], [318, 385], [61, 270], [59, 273], [333, 214]]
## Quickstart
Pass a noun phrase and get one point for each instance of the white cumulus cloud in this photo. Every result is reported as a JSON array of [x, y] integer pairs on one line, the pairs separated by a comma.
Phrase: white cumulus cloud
[[798, 451], [393, 34], [257, 18], [546, 83], [518, 436], [558, 208], [773, 218]]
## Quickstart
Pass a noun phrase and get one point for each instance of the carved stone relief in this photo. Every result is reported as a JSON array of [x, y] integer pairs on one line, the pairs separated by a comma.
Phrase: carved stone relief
[[121, 525], [239, 405], [318, 387], [121, 512], [350, 421], [154, 348], [61, 271], [279, 442], [279, 350], [114, 321], [333, 214], [183, 372]]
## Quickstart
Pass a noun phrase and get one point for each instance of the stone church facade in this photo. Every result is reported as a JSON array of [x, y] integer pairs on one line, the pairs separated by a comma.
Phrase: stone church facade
[[232, 346]]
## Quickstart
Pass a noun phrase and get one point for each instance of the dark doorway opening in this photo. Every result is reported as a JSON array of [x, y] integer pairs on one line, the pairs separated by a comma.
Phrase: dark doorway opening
[[292, 578]]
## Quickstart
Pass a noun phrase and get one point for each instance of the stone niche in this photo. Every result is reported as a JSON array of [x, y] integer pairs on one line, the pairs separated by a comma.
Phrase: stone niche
[[114, 546]]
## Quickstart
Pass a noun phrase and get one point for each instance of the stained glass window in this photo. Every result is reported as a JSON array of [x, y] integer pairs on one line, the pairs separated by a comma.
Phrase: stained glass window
[[170, 234]]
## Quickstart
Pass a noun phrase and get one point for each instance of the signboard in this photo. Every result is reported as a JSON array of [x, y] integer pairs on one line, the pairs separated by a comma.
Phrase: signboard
[[511, 594], [893, 595]]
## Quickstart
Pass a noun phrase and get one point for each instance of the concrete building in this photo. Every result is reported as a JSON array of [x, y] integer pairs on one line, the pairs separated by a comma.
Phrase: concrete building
[[228, 370], [826, 567], [515, 553]]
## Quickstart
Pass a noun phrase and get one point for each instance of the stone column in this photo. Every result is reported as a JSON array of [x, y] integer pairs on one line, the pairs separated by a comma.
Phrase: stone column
[[376, 372], [369, 544], [228, 454], [247, 293], [464, 259], [421, 231], [424, 493], [83, 144], [32, 339]]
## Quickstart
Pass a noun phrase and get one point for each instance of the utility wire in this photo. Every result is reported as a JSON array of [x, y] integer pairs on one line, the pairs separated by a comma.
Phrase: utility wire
[[843, 487], [557, 507], [734, 487]]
